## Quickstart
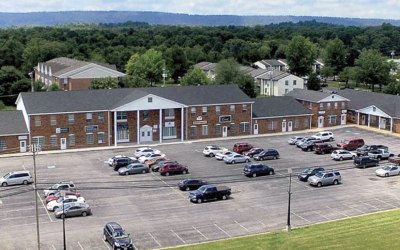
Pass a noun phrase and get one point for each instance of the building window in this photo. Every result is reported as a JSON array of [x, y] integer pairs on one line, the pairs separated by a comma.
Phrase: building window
[[218, 129], [89, 138], [145, 115], [71, 118], [100, 137], [204, 111], [244, 108], [193, 111], [65, 80], [374, 109], [169, 132], [218, 110], [328, 106], [3, 144], [244, 127], [294, 82], [232, 109], [321, 106], [296, 123], [39, 140], [122, 116], [332, 119], [89, 117], [287, 83], [100, 117], [169, 114], [336, 105], [272, 125], [38, 121], [53, 140], [71, 139], [233, 128], [204, 129], [373, 119], [343, 105], [193, 130], [306, 124], [53, 120], [310, 105], [150, 99]]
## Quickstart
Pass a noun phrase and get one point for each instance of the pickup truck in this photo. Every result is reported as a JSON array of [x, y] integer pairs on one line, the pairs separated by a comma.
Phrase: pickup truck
[[380, 154], [363, 151], [210, 192], [365, 161]]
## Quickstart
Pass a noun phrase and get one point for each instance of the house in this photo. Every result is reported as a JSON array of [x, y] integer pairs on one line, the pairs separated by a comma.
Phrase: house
[[278, 83], [13, 132], [318, 65], [208, 68], [70, 74], [270, 65], [328, 109]]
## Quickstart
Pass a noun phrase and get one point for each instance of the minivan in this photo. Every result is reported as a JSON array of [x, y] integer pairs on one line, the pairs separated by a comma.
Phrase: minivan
[[15, 178], [351, 144]]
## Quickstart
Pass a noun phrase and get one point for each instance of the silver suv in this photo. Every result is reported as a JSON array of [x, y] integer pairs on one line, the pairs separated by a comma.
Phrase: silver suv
[[15, 178], [325, 178], [62, 185]]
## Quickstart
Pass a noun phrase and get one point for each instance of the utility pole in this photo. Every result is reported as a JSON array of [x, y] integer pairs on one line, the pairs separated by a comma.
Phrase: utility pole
[[164, 76], [288, 226], [63, 217], [34, 149], [31, 75]]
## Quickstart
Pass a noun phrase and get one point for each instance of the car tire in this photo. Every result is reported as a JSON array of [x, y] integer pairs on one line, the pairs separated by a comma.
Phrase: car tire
[[127, 173], [143, 171], [335, 182], [319, 184], [254, 175], [84, 214], [379, 158], [341, 158], [211, 155], [345, 148], [323, 152], [187, 189], [275, 158], [166, 173], [199, 201], [224, 197], [386, 175], [4, 184], [62, 216], [247, 160], [271, 173], [331, 139], [104, 238], [309, 149], [25, 182], [233, 162], [353, 157], [184, 172]]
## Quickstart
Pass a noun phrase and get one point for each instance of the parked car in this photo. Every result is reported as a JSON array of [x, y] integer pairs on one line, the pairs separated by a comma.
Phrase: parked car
[[309, 172], [173, 168], [323, 148], [365, 161], [221, 156], [159, 165], [341, 155], [309, 145], [324, 136], [363, 151], [55, 204], [302, 141], [210, 192], [242, 147], [146, 150], [134, 169], [388, 170], [253, 151], [117, 237], [62, 185], [211, 151], [145, 158], [156, 160], [57, 195], [122, 162], [395, 160], [380, 154], [325, 178], [191, 184], [15, 178], [351, 143], [73, 209], [255, 170], [111, 160], [294, 139], [236, 158], [267, 155]]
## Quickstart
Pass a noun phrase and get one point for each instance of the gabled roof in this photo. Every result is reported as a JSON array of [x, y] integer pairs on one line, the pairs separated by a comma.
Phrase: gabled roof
[[12, 123], [274, 75], [308, 95], [206, 65], [272, 62], [276, 106]]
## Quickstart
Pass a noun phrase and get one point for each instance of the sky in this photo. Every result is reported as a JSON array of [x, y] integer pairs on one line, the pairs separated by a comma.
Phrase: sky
[[385, 9]]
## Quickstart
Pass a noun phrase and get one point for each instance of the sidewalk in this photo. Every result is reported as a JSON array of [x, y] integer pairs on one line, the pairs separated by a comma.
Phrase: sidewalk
[[176, 142], [376, 130]]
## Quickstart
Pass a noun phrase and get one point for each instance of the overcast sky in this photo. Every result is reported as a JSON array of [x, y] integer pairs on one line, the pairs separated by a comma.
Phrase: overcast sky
[[386, 9]]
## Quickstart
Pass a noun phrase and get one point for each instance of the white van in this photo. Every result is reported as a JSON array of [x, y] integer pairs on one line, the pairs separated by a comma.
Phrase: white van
[[16, 178]]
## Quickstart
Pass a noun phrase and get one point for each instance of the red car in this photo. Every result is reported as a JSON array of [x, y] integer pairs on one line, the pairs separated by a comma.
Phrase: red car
[[58, 195], [242, 147], [173, 168]]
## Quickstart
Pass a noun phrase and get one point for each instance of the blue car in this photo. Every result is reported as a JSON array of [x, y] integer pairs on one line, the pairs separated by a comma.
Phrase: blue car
[[117, 236], [254, 170]]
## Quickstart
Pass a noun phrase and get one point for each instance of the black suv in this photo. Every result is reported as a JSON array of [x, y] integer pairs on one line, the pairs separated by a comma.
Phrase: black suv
[[267, 154], [255, 170], [365, 161], [190, 184], [122, 162], [309, 172], [117, 236], [309, 146], [362, 151]]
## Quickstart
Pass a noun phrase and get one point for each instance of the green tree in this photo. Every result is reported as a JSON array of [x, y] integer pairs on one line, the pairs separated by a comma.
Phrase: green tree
[[264, 52], [346, 75], [327, 71], [226, 71], [2, 105], [335, 56], [106, 83], [150, 66], [134, 81], [301, 54], [195, 76], [246, 84], [53, 87], [313, 82], [9, 75], [176, 62], [130, 65]]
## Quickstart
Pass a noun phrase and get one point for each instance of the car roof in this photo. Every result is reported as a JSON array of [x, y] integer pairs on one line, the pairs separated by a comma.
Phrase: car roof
[[115, 225], [65, 182], [70, 196], [20, 172]]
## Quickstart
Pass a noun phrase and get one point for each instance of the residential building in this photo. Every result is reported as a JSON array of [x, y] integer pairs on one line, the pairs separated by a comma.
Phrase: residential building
[[70, 74], [208, 68], [270, 65], [13, 132], [318, 65], [278, 83]]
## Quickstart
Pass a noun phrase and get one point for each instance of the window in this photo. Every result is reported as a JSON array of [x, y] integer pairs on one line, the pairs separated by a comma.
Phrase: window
[[218, 110], [374, 109], [286, 91], [100, 137], [332, 119], [65, 80], [100, 117], [232, 109], [244, 127], [272, 125], [3, 144], [193, 130], [89, 138], [294, 82], [145, 115], [193, 111], [71, 139], [310, 105], [233, 128], [169, 114], [169, 132], [336, 105], [89, 117], [244, 108], [343, 105], [53, 120], [321, 106], [287, 83], [39, 140], [306, 124], [150, 99], [328, 106], [296, 123], [71, 118], [218, 129], [122, 116], [204, 129], [373, 119], [38, 121], [204, 111], [53, 140]]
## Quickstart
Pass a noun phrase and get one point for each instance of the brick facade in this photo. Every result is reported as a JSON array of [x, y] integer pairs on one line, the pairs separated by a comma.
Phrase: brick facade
[[264, 125], [328, 108], [12, 144]]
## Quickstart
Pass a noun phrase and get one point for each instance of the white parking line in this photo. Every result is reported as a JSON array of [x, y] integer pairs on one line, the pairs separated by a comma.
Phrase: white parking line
[[81, 245], [53, 247], [44, 206], [319, 214], [200, 233], [23, 167], [1, 203], [293, 177], [21, 217], [355, 209], [369, 205], [105, 243], [242, 226], [154, 239], [338, 211], [169, 186], [222, 230], [184, 242], [301, 217], [386, 203]]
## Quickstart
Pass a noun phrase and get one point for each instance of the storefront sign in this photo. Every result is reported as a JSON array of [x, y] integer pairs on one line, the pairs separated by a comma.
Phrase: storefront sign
[[169, 124], [225, 118], [321, 112], [62, 130], [119, 127], [23, 137], [344, 111], [199, 122], [92, 128], [199, 118]]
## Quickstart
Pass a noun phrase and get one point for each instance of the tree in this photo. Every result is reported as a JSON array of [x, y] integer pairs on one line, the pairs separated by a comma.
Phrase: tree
[[246, 84], [150, 66], [335, 56], [346, 75], [130, 65], [53, 87], [301, 53], [176, 62], [264, 52], [226, 71], [106, 83], [313, 82], [327, 71], [134, 81], [2, 105], [195, 76], [9, 75]]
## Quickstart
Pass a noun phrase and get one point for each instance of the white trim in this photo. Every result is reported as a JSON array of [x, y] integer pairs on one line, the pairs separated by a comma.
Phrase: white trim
[[83, 68], [115, 130], [145, 97], [72, 112], [114, 74], [219, 104], [182, 120], [269, 117], [138, 126], [15, 134], [373, 106], [160, 125]]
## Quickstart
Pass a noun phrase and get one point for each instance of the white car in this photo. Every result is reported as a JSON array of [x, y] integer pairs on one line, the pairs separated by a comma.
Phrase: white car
[[144, 151], [144, 158], [341, 155], [222, 155], [213, 150], [111, 160], [380, 154], [324, 136], [388, 170], [294, 139], [54, 205]]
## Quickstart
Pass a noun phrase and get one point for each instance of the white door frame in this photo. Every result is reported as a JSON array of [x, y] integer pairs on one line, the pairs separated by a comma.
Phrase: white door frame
[[343, 119], [321, 121], [363, 120], [256, 128], [63, 143], [284, 126], [290, 126], [22, 146], [383, 123], [146, 133], [225, 131]]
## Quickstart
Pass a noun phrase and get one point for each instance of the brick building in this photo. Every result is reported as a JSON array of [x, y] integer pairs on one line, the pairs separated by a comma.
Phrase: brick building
[[13, 132]]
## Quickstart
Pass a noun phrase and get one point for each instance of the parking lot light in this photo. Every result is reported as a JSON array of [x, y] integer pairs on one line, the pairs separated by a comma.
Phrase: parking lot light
[[288, 226]]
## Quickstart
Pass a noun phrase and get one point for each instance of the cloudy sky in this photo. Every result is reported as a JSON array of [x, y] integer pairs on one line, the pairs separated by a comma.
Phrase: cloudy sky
[[387, 9]]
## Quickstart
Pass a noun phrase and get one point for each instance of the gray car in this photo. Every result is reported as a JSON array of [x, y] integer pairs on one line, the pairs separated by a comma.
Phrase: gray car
[[73, 209], [134, 169], [325, 178], [236, 158], [16, 178]]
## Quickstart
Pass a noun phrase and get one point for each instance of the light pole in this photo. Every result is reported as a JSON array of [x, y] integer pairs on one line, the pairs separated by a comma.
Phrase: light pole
[[164, 76], [288, 226], [34, 149], [62, 192], [31, 75], [392, 54]]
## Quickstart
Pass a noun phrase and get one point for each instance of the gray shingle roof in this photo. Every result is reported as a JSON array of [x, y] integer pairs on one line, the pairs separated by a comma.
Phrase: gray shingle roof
[[308, 95], [272, 62], [274, 75], [278, 106], [108, 99], [12, 123]]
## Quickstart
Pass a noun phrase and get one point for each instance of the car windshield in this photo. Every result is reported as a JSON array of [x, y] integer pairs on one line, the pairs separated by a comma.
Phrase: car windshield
[[319, 175], [345, 141], [55, 186], [6, 176], [120, 234], [57, 194], [387, 168], [364, 147], [60, 200], [148, 155], [318, 134], [129, 166], [335, 152], [202, 189], [308, 171]]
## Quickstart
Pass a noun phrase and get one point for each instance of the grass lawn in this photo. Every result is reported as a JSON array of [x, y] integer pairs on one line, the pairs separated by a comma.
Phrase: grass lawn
[[375, 231], [8, 108], [351, 85]]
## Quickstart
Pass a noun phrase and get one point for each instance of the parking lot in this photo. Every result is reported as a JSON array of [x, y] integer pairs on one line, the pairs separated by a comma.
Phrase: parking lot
[[157, 214]]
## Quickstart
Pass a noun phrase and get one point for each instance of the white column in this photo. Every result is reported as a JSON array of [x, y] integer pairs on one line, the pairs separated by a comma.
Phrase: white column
[[182, 119], [115, 128], [369, 119], [310, 121], [160, 126], [391, 124], [379, 122], [138, 126], [358, 120]]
